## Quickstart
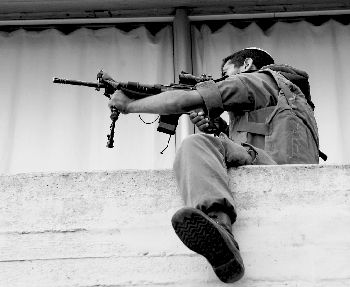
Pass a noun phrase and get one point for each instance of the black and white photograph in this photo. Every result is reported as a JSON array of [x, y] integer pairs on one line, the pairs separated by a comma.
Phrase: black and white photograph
[[168, 143]]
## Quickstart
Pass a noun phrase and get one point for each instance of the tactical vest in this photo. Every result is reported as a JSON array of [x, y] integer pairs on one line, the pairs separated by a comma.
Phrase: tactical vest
[[287, 132]]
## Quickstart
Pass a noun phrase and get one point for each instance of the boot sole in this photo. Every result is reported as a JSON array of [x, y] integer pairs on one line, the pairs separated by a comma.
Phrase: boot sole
[[204, 237]]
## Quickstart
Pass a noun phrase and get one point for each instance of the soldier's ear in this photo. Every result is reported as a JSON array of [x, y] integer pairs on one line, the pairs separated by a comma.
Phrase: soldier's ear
[[248, 65]]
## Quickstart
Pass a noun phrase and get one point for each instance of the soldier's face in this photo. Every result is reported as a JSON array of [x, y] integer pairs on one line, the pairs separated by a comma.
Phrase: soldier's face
[[229, 69]]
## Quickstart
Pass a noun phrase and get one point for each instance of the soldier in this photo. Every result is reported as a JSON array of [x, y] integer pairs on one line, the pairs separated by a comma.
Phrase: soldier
[[271, 122]]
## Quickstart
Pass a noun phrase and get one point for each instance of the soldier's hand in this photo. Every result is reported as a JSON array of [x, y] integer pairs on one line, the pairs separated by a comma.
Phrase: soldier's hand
[[235, 154], [202, 122], [105, 77], [120, 101], [199, 119]]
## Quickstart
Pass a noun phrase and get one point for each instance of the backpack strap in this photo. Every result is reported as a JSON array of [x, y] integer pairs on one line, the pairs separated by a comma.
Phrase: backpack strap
[[322, 155]]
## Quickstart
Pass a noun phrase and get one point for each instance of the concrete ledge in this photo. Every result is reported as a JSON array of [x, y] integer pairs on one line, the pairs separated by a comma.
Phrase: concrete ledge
[[113, 229]]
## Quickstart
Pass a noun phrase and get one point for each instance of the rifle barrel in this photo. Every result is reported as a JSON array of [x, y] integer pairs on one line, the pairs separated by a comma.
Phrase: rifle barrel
[[77, 83]]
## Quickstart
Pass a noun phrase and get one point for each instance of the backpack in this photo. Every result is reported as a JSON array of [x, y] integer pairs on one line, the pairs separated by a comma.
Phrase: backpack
[[288, 131]]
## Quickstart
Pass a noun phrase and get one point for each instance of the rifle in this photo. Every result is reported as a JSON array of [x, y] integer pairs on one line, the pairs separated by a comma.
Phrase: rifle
[[167, 123]]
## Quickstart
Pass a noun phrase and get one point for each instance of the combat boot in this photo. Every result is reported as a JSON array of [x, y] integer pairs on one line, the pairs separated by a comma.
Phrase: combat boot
[[210, 236]]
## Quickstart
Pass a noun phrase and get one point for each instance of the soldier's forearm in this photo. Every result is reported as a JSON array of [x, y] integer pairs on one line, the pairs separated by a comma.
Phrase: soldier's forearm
[[169, 102]]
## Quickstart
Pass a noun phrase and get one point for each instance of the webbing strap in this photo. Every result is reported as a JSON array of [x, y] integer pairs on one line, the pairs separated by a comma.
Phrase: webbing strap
[[251, 127], [255, 121]]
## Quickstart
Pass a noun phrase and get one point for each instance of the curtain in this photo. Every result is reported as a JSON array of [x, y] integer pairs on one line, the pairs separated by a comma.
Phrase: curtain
[[322, 51], [47, 127]]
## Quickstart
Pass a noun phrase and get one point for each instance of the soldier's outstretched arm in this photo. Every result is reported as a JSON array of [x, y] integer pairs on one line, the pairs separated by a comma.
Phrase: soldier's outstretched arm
[[165, 103]]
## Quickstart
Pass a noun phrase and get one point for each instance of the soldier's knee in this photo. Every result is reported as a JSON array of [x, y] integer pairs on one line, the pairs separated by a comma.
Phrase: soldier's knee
[[191, 141], [189, 146]]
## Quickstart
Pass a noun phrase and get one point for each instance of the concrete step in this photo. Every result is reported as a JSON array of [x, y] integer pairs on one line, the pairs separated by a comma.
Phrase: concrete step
[[113, 229]]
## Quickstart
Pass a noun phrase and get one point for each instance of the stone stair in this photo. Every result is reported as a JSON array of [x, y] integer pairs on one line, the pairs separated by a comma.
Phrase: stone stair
[[113, 229]]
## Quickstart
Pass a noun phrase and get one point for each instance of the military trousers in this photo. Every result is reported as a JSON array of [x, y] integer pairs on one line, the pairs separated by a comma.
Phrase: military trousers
[[200, 169]]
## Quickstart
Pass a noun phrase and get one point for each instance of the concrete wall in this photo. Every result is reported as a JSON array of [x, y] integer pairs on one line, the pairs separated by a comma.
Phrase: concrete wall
[[113, 229]]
